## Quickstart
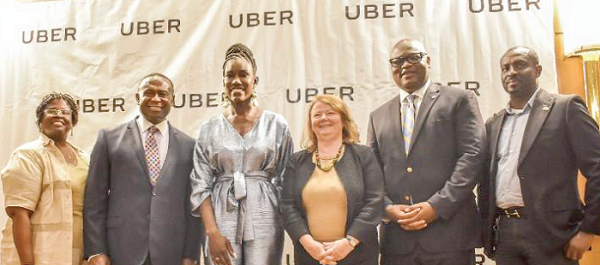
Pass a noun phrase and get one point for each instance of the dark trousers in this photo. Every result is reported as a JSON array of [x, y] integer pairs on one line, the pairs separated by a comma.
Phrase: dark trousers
[[518, 245], [420, 257]]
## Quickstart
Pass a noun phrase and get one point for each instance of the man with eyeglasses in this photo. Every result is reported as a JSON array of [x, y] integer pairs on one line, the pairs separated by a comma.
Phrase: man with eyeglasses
[[429, 142], [137, 199]]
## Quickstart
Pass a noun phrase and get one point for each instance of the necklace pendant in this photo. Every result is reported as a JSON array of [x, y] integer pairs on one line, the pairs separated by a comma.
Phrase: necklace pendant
[[327, 168]]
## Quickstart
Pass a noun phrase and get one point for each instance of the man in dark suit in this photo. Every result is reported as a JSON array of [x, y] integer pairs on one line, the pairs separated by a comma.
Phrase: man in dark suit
[[429, 142], [137, 206], [529, 198]]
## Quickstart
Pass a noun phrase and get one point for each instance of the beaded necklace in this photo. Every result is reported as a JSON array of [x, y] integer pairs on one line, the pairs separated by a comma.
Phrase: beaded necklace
[[335, 159]]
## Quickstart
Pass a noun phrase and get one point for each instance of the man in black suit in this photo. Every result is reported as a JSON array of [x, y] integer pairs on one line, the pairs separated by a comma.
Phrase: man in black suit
[[529, 198], [137, 199], [429, 142]]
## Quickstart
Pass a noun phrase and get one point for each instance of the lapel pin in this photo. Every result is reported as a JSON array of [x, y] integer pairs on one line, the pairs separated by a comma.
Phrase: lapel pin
[[434, 96], [546, 107]]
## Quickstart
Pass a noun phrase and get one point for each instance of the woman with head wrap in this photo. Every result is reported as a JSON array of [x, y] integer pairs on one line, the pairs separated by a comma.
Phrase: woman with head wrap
[[239, 161]]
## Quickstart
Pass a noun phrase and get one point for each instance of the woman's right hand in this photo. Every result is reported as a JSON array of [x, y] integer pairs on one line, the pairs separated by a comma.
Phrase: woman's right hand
[[220, 249], [315, 249]]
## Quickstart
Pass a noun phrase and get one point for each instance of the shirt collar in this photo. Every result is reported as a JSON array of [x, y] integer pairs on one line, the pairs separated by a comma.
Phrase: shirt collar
[[420, 93], [528, 105], [46, 141], [144, 125]]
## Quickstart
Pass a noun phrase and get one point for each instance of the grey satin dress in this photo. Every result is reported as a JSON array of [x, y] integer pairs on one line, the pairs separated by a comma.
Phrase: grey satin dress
[[243, 176]]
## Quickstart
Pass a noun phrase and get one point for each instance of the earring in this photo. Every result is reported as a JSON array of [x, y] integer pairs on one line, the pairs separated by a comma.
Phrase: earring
[[225, 101], [254, 98]]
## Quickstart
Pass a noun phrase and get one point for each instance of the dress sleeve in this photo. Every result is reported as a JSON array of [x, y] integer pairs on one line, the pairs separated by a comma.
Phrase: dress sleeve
[[285, 148], [22, 179], [202, 176]]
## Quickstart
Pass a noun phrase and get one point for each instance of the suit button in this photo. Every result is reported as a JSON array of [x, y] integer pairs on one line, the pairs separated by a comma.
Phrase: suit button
[[409, 169], [153, 193]]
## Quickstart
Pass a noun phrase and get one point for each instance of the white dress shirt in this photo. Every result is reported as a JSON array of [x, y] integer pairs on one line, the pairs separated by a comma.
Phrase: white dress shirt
[[161, 136], [419, 94]]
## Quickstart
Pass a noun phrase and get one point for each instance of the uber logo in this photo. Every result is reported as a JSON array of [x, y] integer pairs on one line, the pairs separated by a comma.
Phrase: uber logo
[[194, 100], [269, 18], [478, 6], [101, 105], [53, 35], [154, 27], [310, 92], [386, 11], [469, 85]]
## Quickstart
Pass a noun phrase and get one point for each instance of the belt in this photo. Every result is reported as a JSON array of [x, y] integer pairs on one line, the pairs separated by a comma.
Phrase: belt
[[237, 192], [513, 212]]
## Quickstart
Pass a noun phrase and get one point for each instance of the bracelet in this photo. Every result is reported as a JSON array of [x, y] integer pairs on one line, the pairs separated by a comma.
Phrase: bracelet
[[351, 242]]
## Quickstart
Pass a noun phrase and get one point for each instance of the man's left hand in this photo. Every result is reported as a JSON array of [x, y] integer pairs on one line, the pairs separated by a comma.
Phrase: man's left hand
[[187, 261], [579, 244], [425, 213]]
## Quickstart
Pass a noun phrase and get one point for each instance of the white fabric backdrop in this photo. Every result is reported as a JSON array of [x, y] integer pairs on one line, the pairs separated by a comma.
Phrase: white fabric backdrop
[[90, 50]]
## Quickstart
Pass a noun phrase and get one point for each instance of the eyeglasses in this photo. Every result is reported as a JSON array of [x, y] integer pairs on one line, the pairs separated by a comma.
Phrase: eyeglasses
[[412, 59], [57, 112]]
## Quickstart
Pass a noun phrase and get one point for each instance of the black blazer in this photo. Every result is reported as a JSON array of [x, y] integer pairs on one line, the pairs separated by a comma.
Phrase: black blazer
[[442, 168], [560, 138], [363, 181]]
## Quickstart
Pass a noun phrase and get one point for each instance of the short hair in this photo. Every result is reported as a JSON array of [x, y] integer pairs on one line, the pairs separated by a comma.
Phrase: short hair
[[531, 54], [171, 88], [47, 99], [350, 132], [240, 50], [414, 43]]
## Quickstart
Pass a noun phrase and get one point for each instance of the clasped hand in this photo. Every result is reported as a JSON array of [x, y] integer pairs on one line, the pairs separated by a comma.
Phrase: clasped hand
[[328, 253], [412, 217]]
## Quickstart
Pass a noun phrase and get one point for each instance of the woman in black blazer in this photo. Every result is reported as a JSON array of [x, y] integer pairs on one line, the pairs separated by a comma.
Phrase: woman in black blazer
[[332, 191]]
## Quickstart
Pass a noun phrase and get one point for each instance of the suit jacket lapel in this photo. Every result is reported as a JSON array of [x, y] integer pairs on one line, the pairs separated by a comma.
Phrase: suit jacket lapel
[[395, 126], [305, 168], [343, 170], [134, 134], [171, 152], [539, 112], [427, 102], [496, 127]]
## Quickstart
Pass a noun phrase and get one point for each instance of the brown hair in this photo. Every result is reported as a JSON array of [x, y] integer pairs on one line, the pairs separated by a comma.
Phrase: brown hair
[[350, 132]]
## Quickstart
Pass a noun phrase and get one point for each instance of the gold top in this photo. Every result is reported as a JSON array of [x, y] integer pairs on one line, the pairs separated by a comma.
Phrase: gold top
[[324, 199]]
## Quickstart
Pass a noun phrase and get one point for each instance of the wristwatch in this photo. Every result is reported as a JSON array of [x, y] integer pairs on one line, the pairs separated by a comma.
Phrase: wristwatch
[[353, 242]]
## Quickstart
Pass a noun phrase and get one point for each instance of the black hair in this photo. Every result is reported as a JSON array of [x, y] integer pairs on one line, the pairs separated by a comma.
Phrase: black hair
[[47, 99], [531, 54], [171, 88]]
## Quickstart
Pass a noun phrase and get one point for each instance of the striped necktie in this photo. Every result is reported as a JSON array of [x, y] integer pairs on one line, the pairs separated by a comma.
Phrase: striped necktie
[[152, 155], [408, 120]]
